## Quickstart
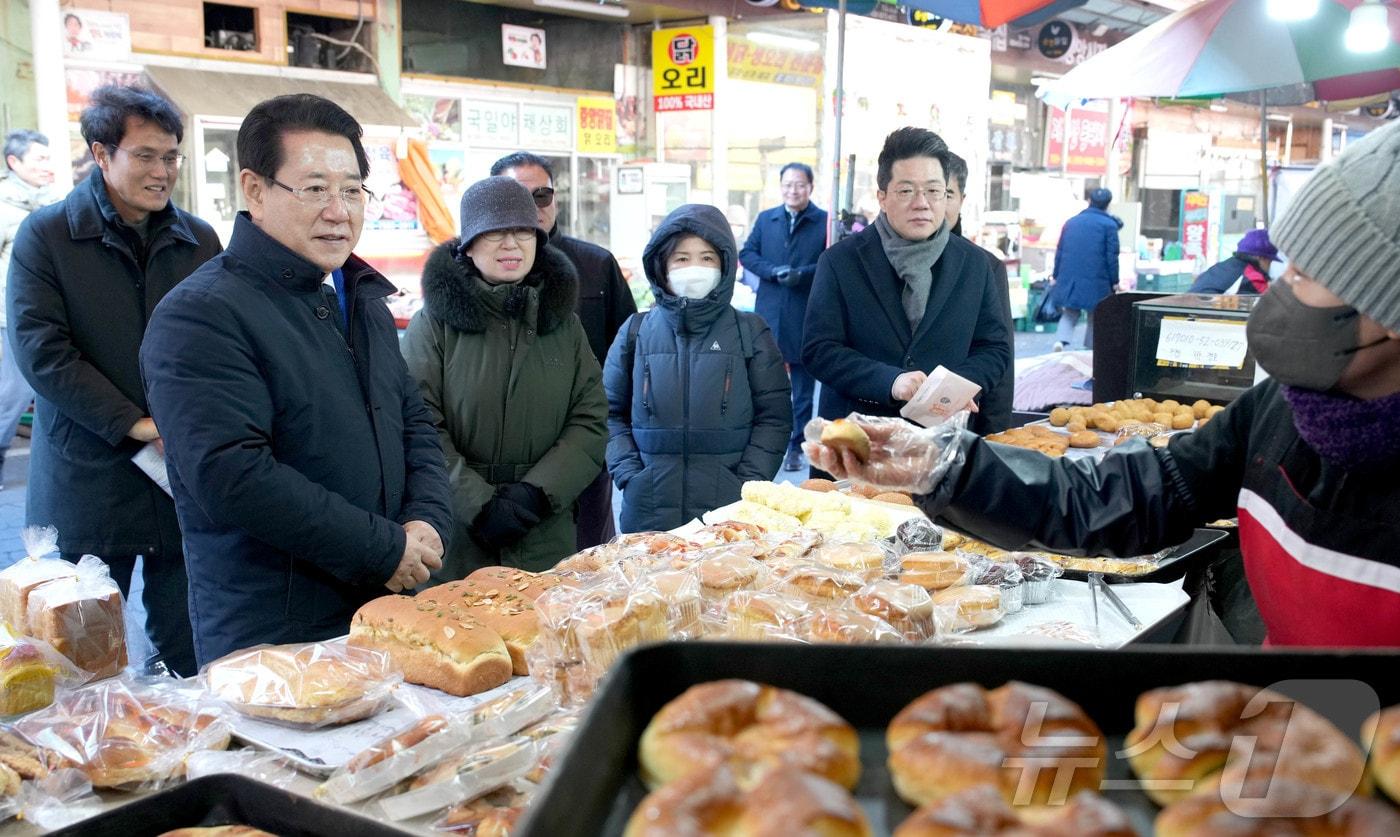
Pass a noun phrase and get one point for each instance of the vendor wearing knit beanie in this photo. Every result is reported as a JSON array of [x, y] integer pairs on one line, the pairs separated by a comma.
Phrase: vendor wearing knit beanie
[[1305, 460]]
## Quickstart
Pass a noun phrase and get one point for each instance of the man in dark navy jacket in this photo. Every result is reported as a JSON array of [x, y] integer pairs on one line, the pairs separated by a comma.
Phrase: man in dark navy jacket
[[306, 470], [782, 250], [904, 296]]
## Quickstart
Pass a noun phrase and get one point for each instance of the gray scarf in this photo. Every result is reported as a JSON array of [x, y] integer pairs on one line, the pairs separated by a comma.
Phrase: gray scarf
[[913, 261]]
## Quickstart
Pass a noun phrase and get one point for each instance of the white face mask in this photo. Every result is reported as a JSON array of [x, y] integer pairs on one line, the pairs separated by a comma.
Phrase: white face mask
[[695, 282], [1276, 270]]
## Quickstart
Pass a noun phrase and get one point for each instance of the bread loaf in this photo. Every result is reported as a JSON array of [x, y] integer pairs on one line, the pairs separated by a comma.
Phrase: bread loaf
[[497, 604], [311, 684], [82, 620], [20, 579], [434, 646]]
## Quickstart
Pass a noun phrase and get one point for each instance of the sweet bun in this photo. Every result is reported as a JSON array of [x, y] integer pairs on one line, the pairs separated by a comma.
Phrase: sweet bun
[[907, 607], [818, 485], [895, 497], [750, 727], [934, 570], [218, 831], [761, 615], [1059, 416], [844, 434], [961, 736], [864, 559], [1084, 439], [983, 811], [869, 492], [968, 608], [720, 800], [1183, 421], [822, 585], [849, 627], [1382, 734], [1289, 741], [1263, 808]]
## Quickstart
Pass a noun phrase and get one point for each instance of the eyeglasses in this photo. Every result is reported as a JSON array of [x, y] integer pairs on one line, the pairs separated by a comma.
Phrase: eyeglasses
[[932, 194], [520, 235], [150, 158], [354, 197], [544, 196], [801, 186]]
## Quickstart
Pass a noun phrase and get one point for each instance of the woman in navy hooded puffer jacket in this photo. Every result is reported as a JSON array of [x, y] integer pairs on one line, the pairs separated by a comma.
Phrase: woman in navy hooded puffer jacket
[[698, 398]]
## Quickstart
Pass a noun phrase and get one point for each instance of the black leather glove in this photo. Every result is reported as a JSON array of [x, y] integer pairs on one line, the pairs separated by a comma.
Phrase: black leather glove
[[527, 496], [503, 521], [780, 274]]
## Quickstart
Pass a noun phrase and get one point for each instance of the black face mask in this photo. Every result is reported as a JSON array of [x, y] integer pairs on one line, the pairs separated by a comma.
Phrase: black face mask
[[1303, 346]]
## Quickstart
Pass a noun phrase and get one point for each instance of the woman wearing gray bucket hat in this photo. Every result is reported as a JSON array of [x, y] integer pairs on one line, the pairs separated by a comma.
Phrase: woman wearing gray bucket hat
[[505, 369], [1306, 460]]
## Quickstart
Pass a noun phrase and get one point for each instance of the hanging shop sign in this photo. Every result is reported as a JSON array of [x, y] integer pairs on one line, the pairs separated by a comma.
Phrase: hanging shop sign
[[100, 35], [522, 46], [546, 127], [487, 122], [1077, 144], [1195, 225], [1055, 39], [597, 125], [683, 68], [751, 62]]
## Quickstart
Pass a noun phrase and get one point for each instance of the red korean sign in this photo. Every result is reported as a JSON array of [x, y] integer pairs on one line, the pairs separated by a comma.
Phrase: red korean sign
[[1082, 138]]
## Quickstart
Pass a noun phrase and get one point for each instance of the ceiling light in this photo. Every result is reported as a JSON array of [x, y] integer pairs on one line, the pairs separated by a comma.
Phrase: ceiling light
[[1292, 10], [584, 8], [773, 39], [1369, 30]]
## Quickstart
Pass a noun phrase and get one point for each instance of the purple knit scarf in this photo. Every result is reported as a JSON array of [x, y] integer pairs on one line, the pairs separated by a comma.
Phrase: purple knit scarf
[[1347, 431]]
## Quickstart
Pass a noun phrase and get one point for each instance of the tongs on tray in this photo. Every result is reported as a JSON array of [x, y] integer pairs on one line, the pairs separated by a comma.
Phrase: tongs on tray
[[1096, 586]]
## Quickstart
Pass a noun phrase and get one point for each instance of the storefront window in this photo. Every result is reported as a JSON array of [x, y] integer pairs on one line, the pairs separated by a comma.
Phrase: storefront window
[[594, 190]]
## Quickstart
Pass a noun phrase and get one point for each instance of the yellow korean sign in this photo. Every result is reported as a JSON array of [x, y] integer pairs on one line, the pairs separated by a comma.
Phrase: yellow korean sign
[[683, 68], [749, 61], [597, 125]]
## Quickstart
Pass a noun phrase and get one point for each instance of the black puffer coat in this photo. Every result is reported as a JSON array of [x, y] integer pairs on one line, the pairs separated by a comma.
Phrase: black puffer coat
[[699, 402]]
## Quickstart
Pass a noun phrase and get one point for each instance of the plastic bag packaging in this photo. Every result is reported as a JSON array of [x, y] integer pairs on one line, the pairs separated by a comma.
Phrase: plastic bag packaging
[[304, 685], [680, 589], [1039, 574], [762, 615], [917, 534], [725, 570], [57, 800], [19, 579], [386, 763], [902, 457], [492, 815], [30, 672], [849, 627], [127, 733], [819, 585], [481, 771], [266, 767], [967, 608], [936, 571], [908, 608], [866, 558], [82, 617], [1005, 576]]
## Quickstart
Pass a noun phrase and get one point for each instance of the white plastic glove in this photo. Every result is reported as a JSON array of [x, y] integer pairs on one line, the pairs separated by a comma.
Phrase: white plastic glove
[[903, 456]]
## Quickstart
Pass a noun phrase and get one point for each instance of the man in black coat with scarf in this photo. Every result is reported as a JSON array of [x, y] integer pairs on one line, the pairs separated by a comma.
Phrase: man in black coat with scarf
[[85, 276], [904, 296]]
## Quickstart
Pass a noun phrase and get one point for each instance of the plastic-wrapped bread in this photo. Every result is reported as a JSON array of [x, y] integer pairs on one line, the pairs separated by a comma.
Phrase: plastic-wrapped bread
[[311, 684], [81, 617], [434, 646]]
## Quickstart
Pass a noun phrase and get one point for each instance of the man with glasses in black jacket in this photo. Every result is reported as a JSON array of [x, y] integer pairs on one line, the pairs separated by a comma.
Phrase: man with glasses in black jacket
[[604, 304]]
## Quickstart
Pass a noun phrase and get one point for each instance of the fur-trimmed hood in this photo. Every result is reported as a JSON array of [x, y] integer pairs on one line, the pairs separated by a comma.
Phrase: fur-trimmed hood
[[452, 294]]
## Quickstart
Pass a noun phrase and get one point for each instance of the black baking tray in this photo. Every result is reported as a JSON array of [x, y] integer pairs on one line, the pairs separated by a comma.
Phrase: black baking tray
[[595, 786], [229, 799], [1198, 550]]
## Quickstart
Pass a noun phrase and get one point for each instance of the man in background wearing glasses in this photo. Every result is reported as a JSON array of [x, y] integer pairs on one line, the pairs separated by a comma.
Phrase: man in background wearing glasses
[[904, 296], [604, 304], [85, 275], [306, 469]]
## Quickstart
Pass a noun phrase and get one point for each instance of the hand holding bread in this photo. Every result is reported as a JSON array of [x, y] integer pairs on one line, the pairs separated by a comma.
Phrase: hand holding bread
[[889, 453]]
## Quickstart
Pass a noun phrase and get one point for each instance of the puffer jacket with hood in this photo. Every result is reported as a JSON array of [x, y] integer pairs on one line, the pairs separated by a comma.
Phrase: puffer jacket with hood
[[510, 380], [698, 399]]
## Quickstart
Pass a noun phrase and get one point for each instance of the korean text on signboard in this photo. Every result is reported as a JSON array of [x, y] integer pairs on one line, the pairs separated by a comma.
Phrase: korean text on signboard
[[597, 125], [546, 127], [1083, 138], [490, 123], [683, 68], [753, 62], [1195, 226]]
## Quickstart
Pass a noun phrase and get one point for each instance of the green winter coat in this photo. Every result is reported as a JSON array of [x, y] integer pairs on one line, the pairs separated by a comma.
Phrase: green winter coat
[[516, 399]]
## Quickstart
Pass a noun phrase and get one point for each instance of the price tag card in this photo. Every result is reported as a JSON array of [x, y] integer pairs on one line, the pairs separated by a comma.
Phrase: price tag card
[[1216, 343]]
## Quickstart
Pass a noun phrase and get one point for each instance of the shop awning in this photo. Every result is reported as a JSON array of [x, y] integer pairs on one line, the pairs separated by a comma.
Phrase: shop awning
[[205, 93]]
